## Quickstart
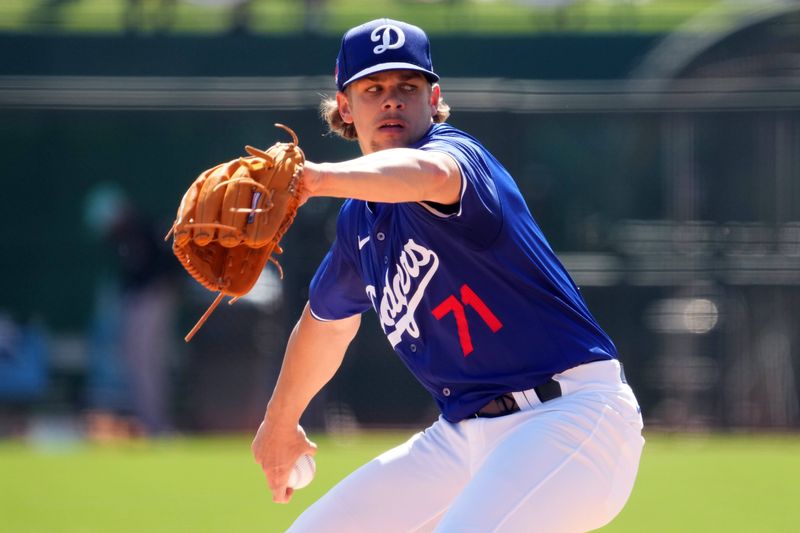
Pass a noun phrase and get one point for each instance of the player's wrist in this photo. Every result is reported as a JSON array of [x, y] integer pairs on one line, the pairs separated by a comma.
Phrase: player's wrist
[[314, 178], [281, 416]]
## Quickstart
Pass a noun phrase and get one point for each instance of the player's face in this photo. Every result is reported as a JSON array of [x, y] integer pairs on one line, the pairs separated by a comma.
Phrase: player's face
[[391, 109]]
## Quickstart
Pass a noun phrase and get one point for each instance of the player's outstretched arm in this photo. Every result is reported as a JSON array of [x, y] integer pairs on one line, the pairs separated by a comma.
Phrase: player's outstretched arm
[[393, 175], [313, 355]]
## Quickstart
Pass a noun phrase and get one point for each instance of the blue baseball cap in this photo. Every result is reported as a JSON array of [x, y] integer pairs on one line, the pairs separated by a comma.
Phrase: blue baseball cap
[[379, 45]]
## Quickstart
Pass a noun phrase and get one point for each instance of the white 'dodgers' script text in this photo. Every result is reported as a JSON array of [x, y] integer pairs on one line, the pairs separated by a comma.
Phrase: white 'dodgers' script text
[[397, 306]]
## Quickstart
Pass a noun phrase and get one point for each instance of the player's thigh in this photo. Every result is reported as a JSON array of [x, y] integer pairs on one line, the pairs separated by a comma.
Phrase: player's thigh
[[405, 489], [565, 469]]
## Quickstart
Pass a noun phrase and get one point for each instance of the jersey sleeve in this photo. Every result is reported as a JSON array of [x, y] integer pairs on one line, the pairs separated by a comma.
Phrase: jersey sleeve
[[337, 289], [479, 217]]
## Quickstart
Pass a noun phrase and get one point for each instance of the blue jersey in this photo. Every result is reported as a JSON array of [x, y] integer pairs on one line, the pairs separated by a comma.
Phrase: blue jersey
[[474, 302]]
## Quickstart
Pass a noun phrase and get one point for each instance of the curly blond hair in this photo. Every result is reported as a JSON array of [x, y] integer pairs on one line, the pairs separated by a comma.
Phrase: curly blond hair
[[329, 112]]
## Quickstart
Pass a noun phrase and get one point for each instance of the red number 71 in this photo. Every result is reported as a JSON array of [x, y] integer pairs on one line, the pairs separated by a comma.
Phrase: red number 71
[[452, 305]]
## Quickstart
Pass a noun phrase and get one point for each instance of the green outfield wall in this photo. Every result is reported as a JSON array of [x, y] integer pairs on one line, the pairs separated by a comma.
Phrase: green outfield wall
[[674, 202]]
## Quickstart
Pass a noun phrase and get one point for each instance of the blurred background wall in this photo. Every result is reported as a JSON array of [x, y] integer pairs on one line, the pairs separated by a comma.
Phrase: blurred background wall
[[657, 144]]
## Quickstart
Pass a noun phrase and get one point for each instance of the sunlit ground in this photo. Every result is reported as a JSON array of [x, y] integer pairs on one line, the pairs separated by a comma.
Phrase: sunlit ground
[[686, 483]]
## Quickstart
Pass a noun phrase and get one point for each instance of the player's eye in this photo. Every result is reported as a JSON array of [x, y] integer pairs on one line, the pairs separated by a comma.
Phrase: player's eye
[[373, 89], [409, 88]]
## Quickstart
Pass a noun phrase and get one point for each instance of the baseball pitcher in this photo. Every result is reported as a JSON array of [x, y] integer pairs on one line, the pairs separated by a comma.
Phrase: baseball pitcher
[[538, 429]]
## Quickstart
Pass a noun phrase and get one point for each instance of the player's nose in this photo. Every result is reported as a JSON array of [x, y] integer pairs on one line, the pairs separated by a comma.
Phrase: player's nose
[[389, 106], [393, 100]]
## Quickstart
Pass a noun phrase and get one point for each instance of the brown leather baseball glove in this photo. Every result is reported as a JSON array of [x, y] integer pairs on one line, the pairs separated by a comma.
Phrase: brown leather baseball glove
[[232, 218]]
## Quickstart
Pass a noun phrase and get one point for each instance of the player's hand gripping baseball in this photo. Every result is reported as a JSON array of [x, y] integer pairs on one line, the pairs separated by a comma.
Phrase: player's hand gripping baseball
[[276, 447]]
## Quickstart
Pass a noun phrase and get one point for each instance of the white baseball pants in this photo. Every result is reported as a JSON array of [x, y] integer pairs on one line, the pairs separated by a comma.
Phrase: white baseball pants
[[567, 465]]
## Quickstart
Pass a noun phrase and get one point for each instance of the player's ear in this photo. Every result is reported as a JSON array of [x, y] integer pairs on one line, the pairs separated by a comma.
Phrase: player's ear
[[436, 94], [344, 107]]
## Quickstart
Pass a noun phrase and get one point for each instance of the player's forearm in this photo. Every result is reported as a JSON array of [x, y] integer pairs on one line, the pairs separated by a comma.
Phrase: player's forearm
[[392, 176], [313, 355]]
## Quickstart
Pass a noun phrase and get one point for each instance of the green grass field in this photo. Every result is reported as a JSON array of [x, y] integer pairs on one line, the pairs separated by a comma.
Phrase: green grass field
[[288, 16], [686, 484]]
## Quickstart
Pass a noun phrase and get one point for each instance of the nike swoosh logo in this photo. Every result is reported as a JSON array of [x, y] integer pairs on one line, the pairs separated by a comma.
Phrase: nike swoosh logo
[[362, 242]]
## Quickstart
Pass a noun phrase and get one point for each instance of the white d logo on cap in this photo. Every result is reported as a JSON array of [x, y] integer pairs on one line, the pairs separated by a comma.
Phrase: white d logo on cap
[[385, 34]]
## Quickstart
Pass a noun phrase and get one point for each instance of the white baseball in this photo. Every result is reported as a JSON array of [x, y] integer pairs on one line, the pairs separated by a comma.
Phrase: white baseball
[[303, 472]]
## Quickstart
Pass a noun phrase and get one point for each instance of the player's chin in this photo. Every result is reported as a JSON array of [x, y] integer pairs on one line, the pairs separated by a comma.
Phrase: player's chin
[[395, 138]]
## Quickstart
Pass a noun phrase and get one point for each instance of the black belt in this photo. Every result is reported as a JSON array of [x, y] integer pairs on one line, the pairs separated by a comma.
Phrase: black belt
[[506, 404]]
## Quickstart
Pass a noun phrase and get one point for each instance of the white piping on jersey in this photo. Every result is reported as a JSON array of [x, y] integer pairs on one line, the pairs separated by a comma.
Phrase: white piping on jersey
[[362, 242], [315, 315], [395, 294], [460, 202]]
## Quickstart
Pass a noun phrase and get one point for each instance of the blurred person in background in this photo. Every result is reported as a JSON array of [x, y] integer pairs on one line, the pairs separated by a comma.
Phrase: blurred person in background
[[132, 333], [539, 430], [24, 367]]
